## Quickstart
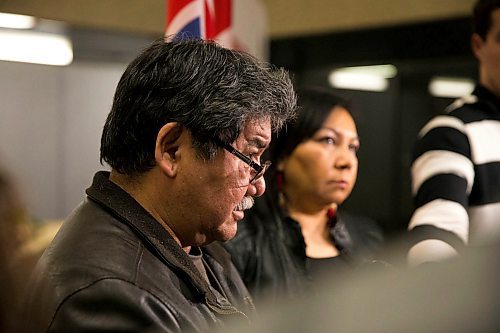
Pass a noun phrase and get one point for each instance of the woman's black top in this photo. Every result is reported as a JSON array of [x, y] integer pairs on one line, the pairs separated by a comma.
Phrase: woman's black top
[[270, 253]]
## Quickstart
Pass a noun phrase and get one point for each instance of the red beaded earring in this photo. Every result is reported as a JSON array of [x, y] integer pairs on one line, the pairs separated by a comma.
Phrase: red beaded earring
[[279, 180], [331, 213]]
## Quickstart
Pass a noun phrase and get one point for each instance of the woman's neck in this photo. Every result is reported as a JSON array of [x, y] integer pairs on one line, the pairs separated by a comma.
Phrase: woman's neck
[[315, 230]]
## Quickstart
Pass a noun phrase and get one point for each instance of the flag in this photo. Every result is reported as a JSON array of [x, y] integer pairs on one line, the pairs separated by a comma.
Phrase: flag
[[206, 19]]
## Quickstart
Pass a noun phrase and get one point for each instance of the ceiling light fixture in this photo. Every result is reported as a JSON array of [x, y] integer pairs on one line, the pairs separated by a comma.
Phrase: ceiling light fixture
[[367, 78], [15, 21], [450, 87], [35, 47]]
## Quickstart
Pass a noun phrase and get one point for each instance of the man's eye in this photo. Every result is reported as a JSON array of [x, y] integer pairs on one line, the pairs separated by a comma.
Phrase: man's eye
[[254, 157]]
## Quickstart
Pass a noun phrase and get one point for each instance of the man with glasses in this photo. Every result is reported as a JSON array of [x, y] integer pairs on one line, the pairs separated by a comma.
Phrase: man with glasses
[[189, 123]]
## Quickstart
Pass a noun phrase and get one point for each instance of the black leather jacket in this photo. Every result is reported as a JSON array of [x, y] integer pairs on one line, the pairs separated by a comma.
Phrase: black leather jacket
[[112, 267], [269, 249]]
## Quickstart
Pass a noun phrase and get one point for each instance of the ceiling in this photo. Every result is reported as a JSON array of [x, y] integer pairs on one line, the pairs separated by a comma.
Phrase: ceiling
[[286, 18]]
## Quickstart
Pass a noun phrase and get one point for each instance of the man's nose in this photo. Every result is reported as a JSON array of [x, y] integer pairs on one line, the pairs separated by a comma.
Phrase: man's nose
[[257, 188]]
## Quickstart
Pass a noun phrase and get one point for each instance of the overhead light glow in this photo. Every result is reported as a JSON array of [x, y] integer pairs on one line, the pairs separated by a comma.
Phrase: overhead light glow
[[368, 78], [35, 47], [358, 81], [450, 87], [385, 71], [15, 21]]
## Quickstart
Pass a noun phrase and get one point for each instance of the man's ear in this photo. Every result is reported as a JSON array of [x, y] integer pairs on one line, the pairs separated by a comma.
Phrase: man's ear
[[476, 44], [167, 153]]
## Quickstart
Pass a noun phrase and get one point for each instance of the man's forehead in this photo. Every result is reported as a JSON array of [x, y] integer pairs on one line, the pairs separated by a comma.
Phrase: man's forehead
[[495, 17], [257, 132]]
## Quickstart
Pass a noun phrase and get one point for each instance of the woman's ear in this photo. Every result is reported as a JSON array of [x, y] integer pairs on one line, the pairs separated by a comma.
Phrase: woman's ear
[[167, 152]]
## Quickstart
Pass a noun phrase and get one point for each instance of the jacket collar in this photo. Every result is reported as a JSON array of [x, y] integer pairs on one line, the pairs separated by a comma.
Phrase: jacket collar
[[126, 209]]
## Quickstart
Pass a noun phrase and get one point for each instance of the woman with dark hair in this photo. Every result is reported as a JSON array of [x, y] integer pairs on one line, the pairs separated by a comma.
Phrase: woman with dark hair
[[295, 232]]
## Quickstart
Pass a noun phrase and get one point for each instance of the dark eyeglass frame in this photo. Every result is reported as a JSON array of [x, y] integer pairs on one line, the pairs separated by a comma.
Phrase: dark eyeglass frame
[[259, 169]]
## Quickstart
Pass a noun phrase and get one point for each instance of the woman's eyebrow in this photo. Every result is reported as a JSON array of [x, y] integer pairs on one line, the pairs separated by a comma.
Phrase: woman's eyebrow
[[350, 134]]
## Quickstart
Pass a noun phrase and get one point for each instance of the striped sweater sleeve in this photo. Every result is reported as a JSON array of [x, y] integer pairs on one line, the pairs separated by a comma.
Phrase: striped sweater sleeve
[[442, 179]]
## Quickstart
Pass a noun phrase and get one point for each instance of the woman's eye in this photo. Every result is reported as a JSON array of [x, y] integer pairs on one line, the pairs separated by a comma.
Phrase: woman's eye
[[328, 140], [354, 148]]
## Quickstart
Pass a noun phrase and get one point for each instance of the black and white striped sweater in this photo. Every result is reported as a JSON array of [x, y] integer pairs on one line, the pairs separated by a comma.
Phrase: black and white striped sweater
[[456, 179]]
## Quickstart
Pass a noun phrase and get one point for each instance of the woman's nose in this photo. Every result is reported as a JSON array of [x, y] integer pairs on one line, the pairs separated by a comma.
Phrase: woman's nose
[[345, 159]]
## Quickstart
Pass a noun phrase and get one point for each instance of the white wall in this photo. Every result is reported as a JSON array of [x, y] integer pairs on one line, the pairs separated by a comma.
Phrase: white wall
[[50, 126], [250, 27]]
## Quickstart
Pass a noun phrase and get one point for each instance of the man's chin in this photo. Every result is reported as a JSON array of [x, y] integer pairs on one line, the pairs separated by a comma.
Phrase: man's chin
[[228, 233]]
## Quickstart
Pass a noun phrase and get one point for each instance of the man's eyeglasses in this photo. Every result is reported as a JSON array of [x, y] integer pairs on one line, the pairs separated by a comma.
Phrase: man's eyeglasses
[[257, 170]]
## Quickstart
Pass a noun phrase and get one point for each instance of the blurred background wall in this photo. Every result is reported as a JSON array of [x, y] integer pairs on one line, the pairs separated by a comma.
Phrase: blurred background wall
[[51, 116]]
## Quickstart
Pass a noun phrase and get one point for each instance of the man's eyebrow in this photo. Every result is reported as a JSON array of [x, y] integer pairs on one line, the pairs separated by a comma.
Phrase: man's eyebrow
[[257, 142]]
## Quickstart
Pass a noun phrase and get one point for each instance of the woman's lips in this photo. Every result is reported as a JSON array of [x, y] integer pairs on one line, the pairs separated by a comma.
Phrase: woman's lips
[[342, 184]]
